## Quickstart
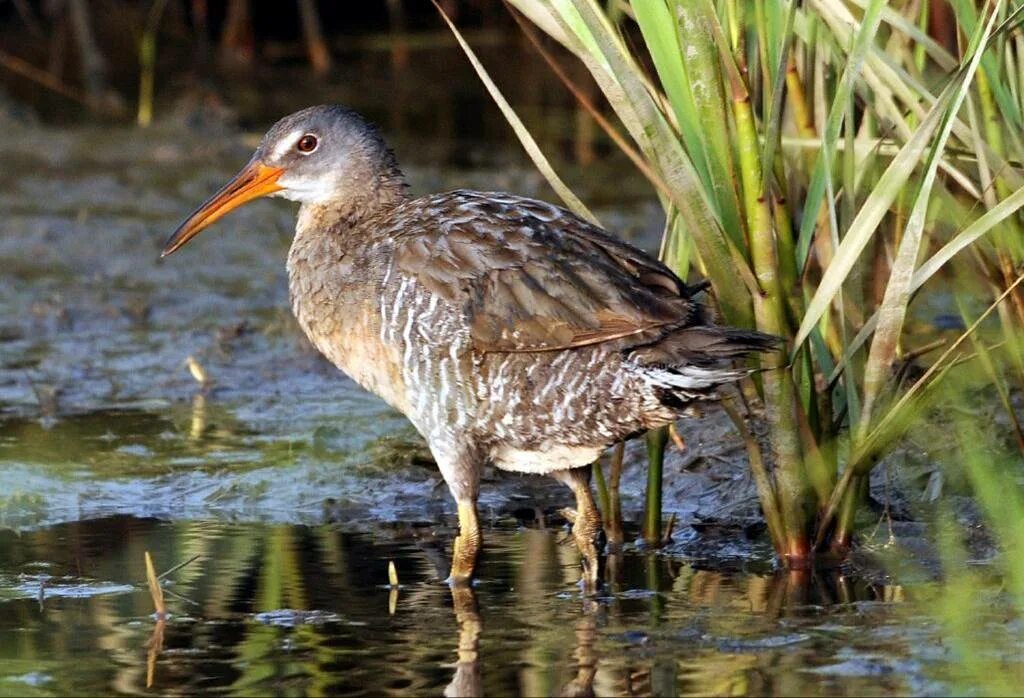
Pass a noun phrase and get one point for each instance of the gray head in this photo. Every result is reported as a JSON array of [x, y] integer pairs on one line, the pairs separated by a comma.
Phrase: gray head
[[326, 152], [321, 156]]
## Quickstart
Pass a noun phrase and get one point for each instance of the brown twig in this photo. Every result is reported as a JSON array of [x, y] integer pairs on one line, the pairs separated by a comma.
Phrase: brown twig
[[669, 527], [178, 567], [153, 649], [156, 592], [635, 157], [676, 437], [316, 47], [21, 67]]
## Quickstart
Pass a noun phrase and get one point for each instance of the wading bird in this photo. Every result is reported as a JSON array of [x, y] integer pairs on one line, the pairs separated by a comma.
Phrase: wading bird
[[507, 330]]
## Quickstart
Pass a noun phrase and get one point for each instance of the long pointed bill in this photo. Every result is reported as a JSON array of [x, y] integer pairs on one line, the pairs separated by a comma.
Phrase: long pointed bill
[[255, 180]]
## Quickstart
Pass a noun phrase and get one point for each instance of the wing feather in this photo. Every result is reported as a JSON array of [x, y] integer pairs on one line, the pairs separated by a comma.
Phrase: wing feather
[[534, 277]]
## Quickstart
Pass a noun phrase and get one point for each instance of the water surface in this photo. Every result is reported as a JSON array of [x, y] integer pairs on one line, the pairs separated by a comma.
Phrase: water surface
[[280, 609]]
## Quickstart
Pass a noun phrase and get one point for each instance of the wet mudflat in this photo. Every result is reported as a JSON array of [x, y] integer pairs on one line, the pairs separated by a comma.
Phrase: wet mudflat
[[293, 489]]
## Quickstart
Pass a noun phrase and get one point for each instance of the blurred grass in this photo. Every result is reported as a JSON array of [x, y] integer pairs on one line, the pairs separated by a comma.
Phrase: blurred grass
[[980, 602]]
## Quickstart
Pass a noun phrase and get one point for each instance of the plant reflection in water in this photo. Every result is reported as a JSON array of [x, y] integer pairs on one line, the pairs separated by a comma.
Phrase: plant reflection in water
[[286, 608]]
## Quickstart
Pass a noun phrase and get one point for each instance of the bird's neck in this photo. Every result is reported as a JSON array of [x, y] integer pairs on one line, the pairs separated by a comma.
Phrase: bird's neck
[[326, 259], [352, 208]]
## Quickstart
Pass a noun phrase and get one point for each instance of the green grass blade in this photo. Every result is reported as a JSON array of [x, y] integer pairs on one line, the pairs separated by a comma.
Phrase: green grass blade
[[695, 28], [887, 428], [529, 144], [658, 27], [943, 58], [999, 213], [964, 239], [967, 18], [862, 44], [893, 310], [773, 125], [894, 421], [866, 222]]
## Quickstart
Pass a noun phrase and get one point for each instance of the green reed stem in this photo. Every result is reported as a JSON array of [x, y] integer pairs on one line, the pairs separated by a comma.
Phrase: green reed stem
[[770, 312], [147, 62], [656, 440]]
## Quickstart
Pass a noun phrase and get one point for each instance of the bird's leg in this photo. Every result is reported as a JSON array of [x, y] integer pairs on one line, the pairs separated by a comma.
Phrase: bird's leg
[[586, 524], [460, 468], [467, 544]]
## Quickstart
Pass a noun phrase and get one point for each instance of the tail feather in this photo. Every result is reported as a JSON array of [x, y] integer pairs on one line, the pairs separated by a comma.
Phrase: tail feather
[[703, 346], [690, 363]]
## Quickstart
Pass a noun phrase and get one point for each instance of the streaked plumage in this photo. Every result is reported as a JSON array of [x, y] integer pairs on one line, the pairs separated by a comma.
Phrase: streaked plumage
[[507, 330]]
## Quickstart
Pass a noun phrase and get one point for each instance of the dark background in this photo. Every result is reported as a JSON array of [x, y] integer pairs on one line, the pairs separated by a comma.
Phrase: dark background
[[72, 58]]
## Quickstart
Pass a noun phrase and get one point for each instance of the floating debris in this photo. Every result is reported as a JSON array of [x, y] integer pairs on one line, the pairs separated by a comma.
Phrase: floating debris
[[676, 437], [393, 583], [290, 618], [44, 587], [197, 371]]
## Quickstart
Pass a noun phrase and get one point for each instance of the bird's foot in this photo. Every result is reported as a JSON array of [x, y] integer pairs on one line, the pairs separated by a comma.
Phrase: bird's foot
[[590, 541], [464, 555], [587, 531], [592, 564]]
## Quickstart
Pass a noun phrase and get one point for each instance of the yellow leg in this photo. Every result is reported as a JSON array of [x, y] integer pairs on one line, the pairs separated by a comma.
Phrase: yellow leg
[[467, 544], [586, 524]]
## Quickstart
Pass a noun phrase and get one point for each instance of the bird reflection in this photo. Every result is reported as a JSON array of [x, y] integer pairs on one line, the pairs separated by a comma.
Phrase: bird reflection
[[582, 685], [320, 626], [769, 596], [467, 679]]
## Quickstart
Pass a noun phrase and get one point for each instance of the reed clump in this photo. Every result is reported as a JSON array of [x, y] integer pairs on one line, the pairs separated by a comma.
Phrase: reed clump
[[820, 163]]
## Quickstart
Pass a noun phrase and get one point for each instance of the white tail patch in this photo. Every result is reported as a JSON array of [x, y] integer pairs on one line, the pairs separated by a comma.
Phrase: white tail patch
[[688, 377]]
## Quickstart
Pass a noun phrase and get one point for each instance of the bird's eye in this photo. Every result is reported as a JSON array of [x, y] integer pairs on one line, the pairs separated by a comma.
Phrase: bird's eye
[[307, 144]]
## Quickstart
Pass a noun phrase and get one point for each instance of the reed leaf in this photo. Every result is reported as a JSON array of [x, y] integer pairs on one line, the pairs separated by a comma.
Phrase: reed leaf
[[870, 214], [658, 27], [897, 293], [707, 91], [936, 51], [620, 80], [964, 239], [887, 110], [892, 424], [816, 188], [522, 133]]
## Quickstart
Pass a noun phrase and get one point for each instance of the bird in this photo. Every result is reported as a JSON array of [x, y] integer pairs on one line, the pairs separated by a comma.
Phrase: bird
[[508, 330]]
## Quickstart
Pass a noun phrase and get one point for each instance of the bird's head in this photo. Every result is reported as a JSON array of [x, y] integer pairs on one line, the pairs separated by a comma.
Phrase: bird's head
[[319, 156]]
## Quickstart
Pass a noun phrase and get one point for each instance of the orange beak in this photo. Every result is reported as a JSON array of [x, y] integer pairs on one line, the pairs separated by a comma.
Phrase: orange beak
[[255, 180]]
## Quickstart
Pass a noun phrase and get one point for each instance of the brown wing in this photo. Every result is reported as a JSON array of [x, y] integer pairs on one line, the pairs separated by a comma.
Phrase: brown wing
[[534, 277]]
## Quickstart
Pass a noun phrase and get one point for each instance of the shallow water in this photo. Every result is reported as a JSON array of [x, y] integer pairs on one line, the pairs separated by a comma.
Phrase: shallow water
[[290, 610], [292, 489]]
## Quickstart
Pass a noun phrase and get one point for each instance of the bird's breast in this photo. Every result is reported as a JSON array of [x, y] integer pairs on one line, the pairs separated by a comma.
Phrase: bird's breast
[[340, 314]]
